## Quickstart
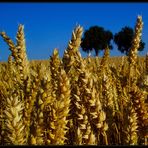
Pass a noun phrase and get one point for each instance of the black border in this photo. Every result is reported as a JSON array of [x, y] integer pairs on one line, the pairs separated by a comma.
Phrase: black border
[[73, 1]]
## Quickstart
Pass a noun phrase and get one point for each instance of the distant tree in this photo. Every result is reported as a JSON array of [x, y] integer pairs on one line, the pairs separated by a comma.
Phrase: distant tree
[[123, 39], [96, 38]]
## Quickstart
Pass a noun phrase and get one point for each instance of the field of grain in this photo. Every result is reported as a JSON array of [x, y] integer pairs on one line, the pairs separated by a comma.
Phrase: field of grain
[[74, 100]]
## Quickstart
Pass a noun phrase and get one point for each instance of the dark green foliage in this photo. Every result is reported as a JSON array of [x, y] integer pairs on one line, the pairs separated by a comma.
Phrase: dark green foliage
[[96, 38], [123, 39]]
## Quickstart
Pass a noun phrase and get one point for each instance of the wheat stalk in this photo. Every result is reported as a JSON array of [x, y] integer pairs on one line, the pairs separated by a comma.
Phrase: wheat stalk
[[72, 50], [134, 48], [138, 101], [131, 132], [22, 62], [10, 43], [14, 121], [57, 127]]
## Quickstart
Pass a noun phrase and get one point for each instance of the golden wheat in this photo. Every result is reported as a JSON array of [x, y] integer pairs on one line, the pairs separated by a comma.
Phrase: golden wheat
[[73, 100]]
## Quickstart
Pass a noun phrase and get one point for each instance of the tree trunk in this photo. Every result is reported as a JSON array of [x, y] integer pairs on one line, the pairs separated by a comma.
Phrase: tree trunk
[[97, 52], [89, 53]]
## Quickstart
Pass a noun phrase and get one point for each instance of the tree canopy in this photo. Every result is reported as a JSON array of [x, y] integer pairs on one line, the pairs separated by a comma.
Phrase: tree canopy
[[123, 39], [96, 38]]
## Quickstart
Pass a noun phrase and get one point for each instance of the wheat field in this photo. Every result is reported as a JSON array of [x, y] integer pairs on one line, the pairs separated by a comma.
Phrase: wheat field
[[74, 100]]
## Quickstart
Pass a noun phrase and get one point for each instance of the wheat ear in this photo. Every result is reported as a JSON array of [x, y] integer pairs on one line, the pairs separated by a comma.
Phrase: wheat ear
[[14, 121], [134, 48], [22, 61], [72, 50], [132, 128], [137, 98]]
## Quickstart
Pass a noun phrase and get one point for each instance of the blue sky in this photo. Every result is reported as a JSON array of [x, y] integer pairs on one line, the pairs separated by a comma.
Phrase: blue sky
[[49, 25]]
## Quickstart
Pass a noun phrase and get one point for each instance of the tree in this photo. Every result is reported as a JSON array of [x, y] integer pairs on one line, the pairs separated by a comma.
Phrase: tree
[[96, 38], [123, 39]]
